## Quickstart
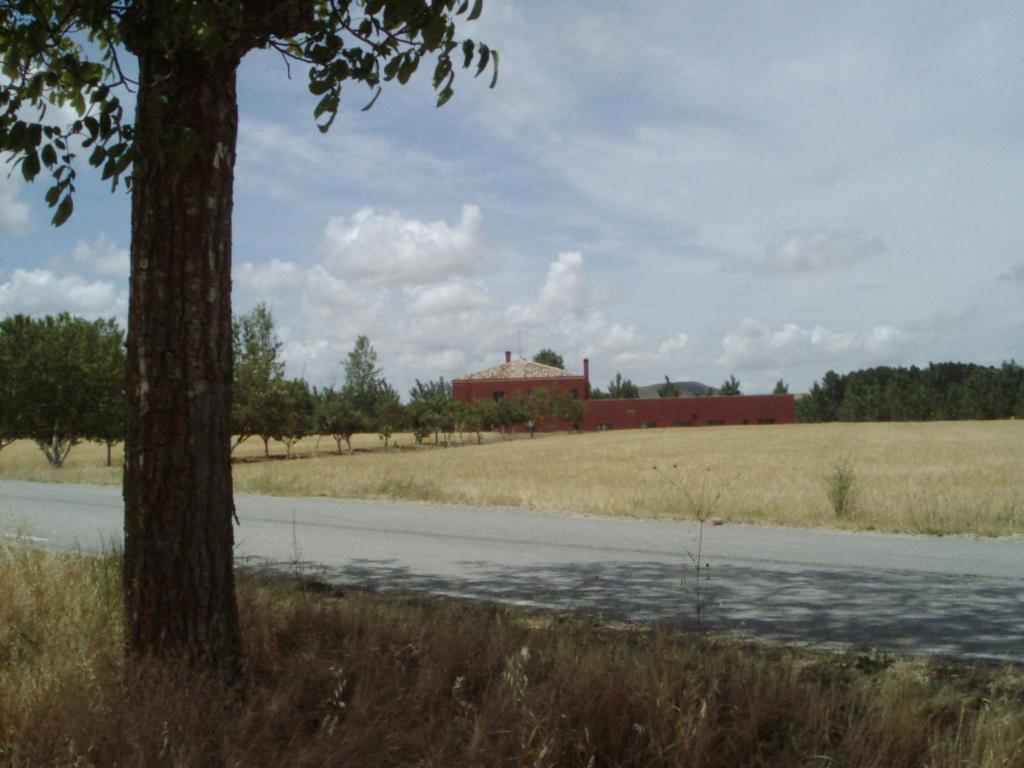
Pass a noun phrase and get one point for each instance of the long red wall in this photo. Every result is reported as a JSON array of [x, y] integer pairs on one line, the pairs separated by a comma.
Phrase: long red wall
[[689, 411], [635, 413]]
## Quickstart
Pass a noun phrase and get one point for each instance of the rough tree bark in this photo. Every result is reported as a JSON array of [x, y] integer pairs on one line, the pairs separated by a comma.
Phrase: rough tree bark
[[178, 559], [178, 577]]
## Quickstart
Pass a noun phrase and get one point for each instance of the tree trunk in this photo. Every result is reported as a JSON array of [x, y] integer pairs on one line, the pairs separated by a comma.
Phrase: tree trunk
[[178, 579]]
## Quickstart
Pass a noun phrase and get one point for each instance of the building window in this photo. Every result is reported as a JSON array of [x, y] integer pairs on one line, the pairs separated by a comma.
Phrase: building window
[[766, 421], [498, 396]]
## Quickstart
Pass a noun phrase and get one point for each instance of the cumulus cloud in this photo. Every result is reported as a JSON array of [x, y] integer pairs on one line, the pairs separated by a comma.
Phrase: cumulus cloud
[[1014, 274], [673, 344], [430, 307], [102, 257], [757, 346], [270, 278], [40, 291], [815, 249], [454, 296], [14, 214], [387, 249]]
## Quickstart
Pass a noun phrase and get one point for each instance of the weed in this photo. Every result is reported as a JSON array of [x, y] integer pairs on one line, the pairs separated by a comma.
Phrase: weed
[[699, 505], [840, 488]]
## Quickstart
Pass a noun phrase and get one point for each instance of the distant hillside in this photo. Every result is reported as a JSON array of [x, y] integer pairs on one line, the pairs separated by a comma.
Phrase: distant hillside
[[687, 388]]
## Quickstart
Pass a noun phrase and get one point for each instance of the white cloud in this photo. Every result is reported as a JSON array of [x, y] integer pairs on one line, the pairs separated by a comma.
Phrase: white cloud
[[14, 214], [425, 313], [269, 278], [40, 291], [102, 257], [454, 296], [673, 344], [387, 249], [815, 249], [756, 346]]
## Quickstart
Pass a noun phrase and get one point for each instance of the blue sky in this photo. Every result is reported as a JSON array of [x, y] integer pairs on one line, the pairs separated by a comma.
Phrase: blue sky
[[768, 190]]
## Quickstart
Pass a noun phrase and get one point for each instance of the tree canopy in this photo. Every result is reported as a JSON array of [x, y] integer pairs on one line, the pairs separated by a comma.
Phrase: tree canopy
[[61, 382], [69, 53], [669, 389], [549, 357], [730, 386]]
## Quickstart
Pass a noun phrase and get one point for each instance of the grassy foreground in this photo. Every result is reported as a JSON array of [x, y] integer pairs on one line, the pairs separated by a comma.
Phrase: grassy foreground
[[932, 478], [358, 679]]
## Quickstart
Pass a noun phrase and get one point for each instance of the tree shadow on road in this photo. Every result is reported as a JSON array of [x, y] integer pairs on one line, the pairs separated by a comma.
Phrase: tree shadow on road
[[902, 612]]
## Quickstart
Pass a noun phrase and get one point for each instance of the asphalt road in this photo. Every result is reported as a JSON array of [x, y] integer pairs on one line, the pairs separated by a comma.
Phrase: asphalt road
[[950, 596]]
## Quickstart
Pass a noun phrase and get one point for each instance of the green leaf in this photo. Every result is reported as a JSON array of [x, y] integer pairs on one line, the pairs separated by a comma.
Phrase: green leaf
[[494, 77], [49, 155], [63, 211], [319, 87], [30, 165], [408, 68], [478, 8], [372, 101]]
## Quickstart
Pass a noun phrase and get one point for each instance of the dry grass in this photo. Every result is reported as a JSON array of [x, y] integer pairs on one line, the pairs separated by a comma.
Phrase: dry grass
[[935, 478], [356, 679]]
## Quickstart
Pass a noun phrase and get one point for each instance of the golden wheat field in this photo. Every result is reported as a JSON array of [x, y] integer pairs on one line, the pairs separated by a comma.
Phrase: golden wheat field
[[932, 478]]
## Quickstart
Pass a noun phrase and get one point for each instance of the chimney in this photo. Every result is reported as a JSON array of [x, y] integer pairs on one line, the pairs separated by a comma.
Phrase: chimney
[[508, 356]]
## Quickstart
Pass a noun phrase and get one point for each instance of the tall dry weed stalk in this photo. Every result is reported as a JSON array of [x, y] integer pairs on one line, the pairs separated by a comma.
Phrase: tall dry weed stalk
[[699, 504]]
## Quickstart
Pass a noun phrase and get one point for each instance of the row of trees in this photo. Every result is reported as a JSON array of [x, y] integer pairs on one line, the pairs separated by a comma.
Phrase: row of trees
[[942, 391], [273, 407], [61, 382]]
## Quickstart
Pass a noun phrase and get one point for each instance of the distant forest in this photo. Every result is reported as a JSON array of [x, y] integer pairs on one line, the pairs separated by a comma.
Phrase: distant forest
[[942, 391]]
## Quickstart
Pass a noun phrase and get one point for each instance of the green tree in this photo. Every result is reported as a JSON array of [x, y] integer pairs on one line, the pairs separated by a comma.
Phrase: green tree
[[388, 414], [622, 389], [298, 413], [16, 341], [568, 409], [106, 418], [61, 376], [549, 357], [814, 407], [363, 379], [258, 371], [730, 386], [669, 389], [336, 416], [432, 409], [781, 388], [478, 416], [180, 152]]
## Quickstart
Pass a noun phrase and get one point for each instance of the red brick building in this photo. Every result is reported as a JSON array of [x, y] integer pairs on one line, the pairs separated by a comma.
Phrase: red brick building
[[520, 376], [525, 376]]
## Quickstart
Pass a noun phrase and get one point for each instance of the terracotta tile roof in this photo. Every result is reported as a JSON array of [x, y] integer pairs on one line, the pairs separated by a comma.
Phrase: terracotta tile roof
[[523, 369]]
